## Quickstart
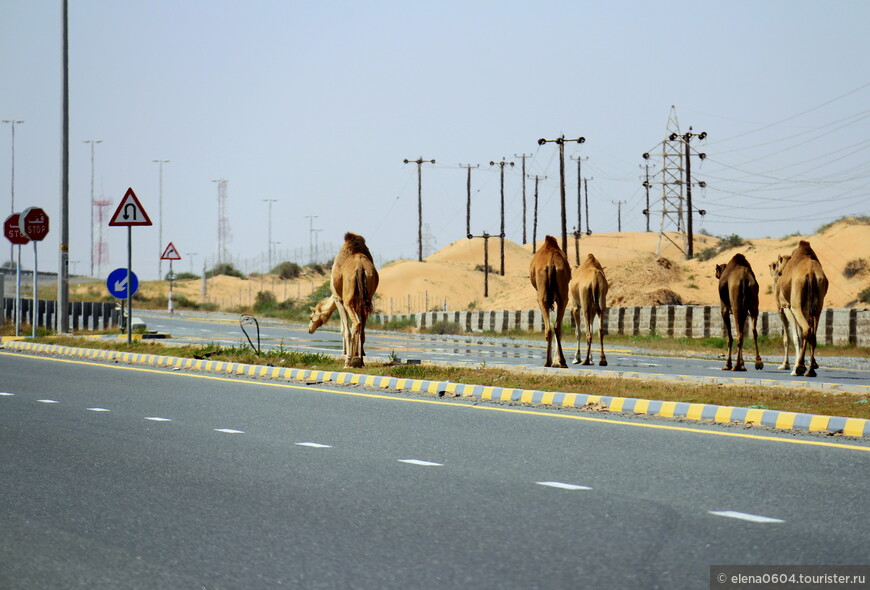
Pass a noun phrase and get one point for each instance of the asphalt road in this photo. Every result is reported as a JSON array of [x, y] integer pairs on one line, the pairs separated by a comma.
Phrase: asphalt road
[[198, 328], [126, 477]]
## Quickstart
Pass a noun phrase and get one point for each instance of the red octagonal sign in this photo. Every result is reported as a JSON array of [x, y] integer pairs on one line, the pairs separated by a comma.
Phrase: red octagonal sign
[[12, 232], [33, 223]]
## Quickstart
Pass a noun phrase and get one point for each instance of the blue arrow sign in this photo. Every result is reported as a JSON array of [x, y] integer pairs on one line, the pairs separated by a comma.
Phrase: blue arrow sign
[[117, 283]]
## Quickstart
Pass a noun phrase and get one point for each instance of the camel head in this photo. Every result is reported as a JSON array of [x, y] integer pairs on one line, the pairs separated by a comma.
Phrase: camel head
[[777, 265], [321, 313], [720, 268]]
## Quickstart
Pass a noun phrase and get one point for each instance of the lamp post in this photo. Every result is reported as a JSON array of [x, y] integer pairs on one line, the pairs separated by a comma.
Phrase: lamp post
[[160, 221], [92, 142], [13, 123]]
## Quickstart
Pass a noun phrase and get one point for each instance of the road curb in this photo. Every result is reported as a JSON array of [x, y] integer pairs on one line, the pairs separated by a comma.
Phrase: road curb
[[776, 419]]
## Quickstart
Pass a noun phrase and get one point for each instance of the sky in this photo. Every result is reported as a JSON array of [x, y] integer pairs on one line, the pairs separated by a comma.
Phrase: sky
[[317, 105]]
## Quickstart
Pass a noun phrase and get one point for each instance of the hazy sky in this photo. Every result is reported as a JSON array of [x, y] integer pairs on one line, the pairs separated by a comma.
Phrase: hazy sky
[[317, 104]]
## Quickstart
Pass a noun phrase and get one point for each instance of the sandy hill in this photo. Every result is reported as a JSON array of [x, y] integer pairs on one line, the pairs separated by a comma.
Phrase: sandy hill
[[637, 275]]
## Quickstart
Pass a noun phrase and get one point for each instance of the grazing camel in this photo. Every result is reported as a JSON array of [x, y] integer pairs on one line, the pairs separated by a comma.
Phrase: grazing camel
[[321, 313], [550, 273], [738, 293], [588, 289], [801, 286], [354, 281]]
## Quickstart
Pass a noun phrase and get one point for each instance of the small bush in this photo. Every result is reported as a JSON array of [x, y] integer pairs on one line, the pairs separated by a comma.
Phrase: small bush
[[225, 269], [287, 270], [864, 296], [855, 267]]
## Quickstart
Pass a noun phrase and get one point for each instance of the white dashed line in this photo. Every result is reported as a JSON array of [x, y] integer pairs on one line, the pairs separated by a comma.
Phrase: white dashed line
[[98, 410], [156, 419], [229, 431], [48, 401], [744, 516], [562, 486], [313, 445], [419, 462], [3, 393]]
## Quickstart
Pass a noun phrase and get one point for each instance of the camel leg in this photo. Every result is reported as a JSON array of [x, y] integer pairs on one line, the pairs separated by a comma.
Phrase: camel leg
[[727, 322], [560, 315], [548, 334], [354, 358], [575, 313], [345, 331], [785, 366], [740, 324], [759, 364], [800, 352], [588, 359], [603, 360]]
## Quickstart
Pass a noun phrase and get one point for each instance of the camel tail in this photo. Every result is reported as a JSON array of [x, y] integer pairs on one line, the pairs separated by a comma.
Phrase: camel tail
[[551, 285], [814, 306], [363, 289]]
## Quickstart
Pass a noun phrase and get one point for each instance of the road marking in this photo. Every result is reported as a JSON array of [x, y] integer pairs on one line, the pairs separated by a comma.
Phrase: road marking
[[562, 486], [419, 462], [744, 516], [48, 401], [3, 393], [313, 445], [99, 410], [156, 419], [229, 431]]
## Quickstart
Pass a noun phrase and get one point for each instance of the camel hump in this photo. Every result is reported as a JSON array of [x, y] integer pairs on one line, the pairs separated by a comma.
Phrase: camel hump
[[592, 261], [740, 260], [804, 250], [550, 242]]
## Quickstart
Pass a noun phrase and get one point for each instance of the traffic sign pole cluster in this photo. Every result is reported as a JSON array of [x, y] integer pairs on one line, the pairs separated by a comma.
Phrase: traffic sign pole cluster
[[14, 235], [129, 213], [31, 225]]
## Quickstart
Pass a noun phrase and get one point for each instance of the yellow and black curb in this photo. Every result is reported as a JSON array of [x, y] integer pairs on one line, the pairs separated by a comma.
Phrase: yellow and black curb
[[854, 427]]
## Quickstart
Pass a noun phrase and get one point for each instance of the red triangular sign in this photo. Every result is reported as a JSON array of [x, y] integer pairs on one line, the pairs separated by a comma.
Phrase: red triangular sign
[[170, 253], [130, 212]]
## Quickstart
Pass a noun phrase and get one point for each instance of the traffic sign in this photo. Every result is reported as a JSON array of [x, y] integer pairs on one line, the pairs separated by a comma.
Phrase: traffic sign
[[33, 223], [170, 253], [117, 283], [130, 212], [13, 232]]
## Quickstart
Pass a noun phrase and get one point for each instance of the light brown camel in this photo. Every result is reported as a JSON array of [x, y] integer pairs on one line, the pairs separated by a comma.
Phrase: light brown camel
[[588, 289], [321, 313], [738, 294], [801, 288], [785, 316], [550, 273], [354, 282]]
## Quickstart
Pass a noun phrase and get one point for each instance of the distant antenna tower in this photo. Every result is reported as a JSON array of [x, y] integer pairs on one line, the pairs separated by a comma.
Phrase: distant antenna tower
[[428, 241], [100, 255], [224, 236], [671, 175]]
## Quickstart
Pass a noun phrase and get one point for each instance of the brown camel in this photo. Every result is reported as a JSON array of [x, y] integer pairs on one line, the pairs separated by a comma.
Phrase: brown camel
[[321, 313], [354, 282], [738, 293], [801, 286], [588, 289], [550, 273], [784, 313]]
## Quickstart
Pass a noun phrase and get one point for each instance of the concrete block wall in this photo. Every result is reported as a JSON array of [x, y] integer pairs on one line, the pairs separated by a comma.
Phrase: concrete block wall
[[836, 326]]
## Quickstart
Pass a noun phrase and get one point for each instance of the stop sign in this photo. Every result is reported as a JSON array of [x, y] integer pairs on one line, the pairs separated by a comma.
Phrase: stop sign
[[33, 223], [12, 232]]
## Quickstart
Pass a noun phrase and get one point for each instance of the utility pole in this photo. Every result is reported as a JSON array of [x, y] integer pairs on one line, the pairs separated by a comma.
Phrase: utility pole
[[561, 142], [687, 138], [160, 230], [501, 165], [535, 223], [13, 123], [269, 203], [579, 229], [523, 158], [586, 193], [311, 219], [646, 186], [63, 258], [485, 237], [419, 161], [618, 214], [93, 252], [468, 198]]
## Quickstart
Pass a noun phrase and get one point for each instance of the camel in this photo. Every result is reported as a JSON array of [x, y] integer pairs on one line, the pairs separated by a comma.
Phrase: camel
[[321, 313], [588, 289], [800, 288], [354, 282], [550, 273], [784, 313], [738, 293]]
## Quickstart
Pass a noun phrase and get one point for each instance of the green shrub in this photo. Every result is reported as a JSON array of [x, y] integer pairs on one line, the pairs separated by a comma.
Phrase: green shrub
[[864, 296], [287, 270]]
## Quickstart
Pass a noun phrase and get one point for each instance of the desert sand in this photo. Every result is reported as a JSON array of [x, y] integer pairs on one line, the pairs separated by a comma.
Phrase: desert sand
[[637, 274]]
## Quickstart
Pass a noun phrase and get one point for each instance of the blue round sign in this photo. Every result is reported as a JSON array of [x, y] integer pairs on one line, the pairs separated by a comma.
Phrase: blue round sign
[[117, 283]]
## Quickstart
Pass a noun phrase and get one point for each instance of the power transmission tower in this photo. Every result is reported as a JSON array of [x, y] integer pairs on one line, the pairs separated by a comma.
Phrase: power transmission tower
[[311, 231], [618, 214], [561, 143], [579, 228], [223, 222], [269, 203], [101, 248], [523, 158], [468, 197], [535, 223], [501, 165], [419, 161], [429, 240]]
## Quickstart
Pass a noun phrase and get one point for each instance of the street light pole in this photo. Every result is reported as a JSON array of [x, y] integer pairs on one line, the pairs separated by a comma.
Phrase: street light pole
[[13, 123], [160, 221], [92, 142]]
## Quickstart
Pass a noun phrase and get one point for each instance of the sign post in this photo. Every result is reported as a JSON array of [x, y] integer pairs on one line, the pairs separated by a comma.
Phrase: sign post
[[33, 223], [14, 235], [129, 213], [170, 254]]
